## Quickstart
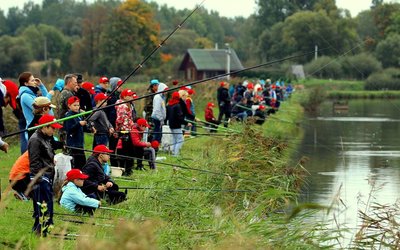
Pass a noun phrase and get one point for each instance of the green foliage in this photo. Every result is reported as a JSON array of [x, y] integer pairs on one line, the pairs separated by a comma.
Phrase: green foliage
[[360, 66], [388, 51], [15, 55], [388, 79], [324, 67]]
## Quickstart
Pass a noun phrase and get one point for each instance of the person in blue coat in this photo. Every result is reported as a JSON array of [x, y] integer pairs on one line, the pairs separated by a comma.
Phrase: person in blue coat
[[73, 198]]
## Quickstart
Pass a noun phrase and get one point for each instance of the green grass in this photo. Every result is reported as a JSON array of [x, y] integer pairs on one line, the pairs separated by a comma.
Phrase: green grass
[[333, 85], [257, 158]]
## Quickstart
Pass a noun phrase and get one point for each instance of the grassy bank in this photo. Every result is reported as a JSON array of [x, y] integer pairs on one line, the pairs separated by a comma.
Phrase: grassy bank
[[231, 191]]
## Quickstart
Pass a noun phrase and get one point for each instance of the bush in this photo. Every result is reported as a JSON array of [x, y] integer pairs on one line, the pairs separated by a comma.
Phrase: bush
[[360, 66], [324, 67], [388, 79]]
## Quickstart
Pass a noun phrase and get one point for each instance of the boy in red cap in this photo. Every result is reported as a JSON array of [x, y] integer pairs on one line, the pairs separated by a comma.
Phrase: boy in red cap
[[99, 121], [73, 198], [98, 184], [74, 128], [41, 157], [209, 116], [141, 149]]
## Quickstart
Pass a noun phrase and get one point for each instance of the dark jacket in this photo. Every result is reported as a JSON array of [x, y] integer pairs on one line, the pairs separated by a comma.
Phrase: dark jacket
[[85, 99], [185, 111], [41, 154], [100, 122], [62, 102], [94, 169], [74, 130], [175, 116], [260, 116], [223, 97]]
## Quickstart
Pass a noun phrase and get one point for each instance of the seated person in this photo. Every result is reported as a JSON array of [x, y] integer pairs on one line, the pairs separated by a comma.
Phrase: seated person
[[240, 109], [209, 116], [73, 198], [98, 184], [141, 148], [260, 115], [19, 176]]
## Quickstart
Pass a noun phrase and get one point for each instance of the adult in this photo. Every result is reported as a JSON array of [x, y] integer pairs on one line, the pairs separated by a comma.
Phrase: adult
[[70, 89], [148, 106], [29, 88], [41, 165], [159, 113], [99, 185], [85, 98], [176, 119], [41, 105], [224, 103]]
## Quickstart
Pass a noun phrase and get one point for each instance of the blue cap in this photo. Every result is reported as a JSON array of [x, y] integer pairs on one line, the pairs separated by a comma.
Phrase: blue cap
[[154, 82]]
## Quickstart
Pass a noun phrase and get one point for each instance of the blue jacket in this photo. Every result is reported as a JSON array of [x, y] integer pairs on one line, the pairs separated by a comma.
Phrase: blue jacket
[[73, 195], [27, 97]]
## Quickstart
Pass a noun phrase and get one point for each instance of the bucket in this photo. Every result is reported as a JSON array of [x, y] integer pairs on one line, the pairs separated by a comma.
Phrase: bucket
[[116, 171]]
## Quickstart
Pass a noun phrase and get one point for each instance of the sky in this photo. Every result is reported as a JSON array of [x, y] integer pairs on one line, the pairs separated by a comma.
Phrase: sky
[[228, 8]]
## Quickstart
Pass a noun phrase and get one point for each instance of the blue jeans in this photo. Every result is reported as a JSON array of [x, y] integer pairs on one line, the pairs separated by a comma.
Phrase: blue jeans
[[23, 136], [177, 141], [157, 130], [100, 139]]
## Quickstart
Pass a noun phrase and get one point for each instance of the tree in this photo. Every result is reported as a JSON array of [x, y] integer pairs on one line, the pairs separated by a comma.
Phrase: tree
[[15, 56], [130, 34], [388, 51]]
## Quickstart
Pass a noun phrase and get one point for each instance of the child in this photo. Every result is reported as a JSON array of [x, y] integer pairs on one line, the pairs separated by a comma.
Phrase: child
[[73, 198], [260, 115], [102, 127], [209, 116], [141, 148], [74, 128], [19, 176]]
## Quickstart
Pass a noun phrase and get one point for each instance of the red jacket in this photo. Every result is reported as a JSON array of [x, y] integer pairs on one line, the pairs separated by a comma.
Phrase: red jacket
[[209, 115], [136, 137]]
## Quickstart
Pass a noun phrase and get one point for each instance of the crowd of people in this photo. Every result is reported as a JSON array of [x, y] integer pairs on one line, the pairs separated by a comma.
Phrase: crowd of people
[[117, 128]]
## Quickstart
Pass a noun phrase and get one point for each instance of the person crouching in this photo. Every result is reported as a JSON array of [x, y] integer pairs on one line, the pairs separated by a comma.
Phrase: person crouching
[[141, 148], [98, 184], [73, 198]]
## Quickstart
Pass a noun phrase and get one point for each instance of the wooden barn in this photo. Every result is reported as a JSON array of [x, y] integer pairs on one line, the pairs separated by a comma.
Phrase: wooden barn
[[198, 64]]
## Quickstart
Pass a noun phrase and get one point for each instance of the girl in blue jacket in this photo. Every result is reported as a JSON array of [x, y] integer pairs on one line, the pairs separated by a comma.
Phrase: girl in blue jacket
[[73, 198]]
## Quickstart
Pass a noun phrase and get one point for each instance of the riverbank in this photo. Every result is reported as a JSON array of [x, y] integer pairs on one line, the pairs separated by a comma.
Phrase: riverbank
[[225, 191]]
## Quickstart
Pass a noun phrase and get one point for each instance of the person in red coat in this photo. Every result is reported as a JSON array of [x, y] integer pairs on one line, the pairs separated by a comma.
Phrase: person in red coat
[[141, 148], [209, 116]]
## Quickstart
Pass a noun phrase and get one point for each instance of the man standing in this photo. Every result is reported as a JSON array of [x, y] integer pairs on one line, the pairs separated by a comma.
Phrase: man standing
[[70, 89], [148, 106], [224, 103], [41, 157]]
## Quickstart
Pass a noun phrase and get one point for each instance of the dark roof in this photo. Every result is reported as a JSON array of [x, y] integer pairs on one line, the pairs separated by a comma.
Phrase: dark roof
[[212, 59]]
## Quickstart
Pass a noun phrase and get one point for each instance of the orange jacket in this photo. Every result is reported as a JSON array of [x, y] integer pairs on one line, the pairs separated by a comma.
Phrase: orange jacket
[[20, 168]]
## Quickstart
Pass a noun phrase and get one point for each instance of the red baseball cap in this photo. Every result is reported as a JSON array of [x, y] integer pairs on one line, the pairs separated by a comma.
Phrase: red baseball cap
[[142, 122], [155, 144], [210, 104], [72, 99], [261, 107], [46, 118], [127, 92], [103, 79], [89, 87], [100, 97], [76, 174], [102, 149], [12, 91], [119, 82]]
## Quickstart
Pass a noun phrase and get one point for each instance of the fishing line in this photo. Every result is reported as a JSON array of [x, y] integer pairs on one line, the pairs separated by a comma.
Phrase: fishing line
[[171, 164], [161, 92], [140, 65], [193, 189]]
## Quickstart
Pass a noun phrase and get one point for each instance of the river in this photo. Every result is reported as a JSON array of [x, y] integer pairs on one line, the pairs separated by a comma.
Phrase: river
[[352, 152]]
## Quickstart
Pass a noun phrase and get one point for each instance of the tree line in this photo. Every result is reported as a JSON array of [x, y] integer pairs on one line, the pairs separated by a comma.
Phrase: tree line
[[111, 36]]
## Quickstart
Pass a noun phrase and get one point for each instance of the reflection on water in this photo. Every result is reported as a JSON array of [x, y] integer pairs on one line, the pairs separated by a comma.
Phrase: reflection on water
[[351, 151]]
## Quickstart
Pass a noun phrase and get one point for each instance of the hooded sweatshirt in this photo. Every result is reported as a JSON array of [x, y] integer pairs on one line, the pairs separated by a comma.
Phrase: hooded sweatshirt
[[27, 97], [159, 109]]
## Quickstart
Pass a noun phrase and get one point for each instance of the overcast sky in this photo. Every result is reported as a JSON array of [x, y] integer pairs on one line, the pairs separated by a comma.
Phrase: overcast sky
[[228, 8]]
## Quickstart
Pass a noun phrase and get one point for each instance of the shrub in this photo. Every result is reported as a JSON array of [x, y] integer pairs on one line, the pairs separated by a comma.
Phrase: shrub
[[388, 79], [360, 66], [324, 67]]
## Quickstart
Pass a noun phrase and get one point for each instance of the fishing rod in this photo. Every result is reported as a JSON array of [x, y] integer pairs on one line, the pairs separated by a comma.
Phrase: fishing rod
[[209, 123], [170, 164], [193, 189], [140, 65], [176, 133], [164, 91]]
